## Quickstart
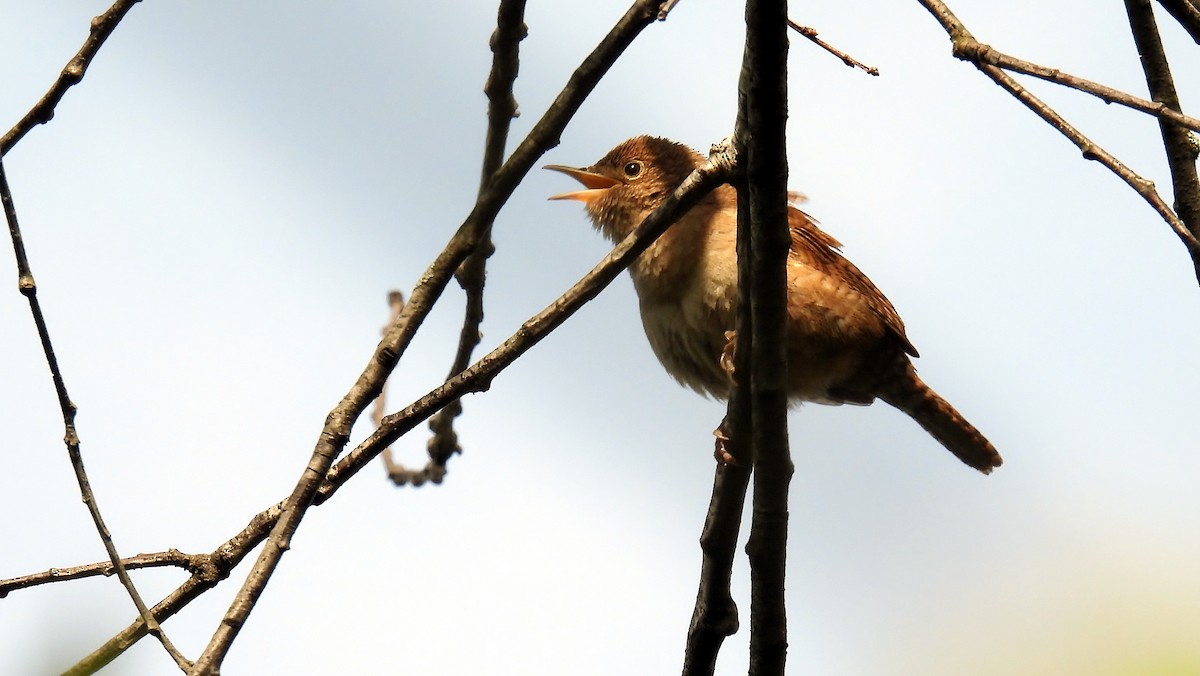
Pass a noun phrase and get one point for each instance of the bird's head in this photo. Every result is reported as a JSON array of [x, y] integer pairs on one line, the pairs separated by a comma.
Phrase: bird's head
[[630, 181]]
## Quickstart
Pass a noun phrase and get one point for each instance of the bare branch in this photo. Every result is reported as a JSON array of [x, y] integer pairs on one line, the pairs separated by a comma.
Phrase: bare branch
[[811, 34], [715, 615], [1091, 151], [980, 53], [43, 111], [394, 469], [171, 558], [763, 244]]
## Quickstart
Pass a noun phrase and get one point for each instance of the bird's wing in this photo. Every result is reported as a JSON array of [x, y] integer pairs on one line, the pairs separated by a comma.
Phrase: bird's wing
[[814, 247]]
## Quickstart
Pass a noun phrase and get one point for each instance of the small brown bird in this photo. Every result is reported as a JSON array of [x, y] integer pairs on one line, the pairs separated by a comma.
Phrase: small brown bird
[[846, 343]]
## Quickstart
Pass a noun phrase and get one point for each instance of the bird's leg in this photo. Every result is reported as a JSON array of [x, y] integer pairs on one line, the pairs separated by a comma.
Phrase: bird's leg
[[721, 450], [723, 431]]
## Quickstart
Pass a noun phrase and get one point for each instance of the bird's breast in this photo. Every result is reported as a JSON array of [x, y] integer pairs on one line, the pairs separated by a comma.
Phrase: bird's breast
[[686, 321]]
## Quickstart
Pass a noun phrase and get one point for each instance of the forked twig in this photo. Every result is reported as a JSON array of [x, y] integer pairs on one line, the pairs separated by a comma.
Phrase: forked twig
[[980, 53], [965, 45]]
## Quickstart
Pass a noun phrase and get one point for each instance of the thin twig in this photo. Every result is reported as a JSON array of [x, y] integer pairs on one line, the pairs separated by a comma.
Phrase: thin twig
[[1178, 143], [811, 34], [43, 111], [963, 39], [763, 244], [337, 428], [28, 288], [981, 53], [170, 558], [379, 409]]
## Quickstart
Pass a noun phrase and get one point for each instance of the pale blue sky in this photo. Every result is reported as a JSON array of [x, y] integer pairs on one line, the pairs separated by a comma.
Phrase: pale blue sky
[[216, 214]]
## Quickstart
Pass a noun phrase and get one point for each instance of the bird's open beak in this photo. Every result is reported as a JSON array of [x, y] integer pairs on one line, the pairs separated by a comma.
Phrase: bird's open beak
[[596, 184]]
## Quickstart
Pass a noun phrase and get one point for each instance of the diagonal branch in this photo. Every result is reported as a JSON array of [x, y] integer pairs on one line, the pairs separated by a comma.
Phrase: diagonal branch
[[337, 428], [43, 111], [812, 35]]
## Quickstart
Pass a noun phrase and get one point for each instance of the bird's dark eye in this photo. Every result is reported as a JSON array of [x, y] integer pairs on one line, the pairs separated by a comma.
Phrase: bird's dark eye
[[633, 169]]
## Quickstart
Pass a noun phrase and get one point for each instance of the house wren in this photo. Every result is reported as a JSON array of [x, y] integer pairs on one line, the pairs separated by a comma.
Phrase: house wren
[[846, 343]]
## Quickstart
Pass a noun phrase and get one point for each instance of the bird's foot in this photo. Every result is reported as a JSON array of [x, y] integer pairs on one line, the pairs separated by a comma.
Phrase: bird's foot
[[723, 444]]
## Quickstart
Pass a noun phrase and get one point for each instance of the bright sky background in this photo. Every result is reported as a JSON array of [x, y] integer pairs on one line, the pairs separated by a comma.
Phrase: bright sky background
[[216, 214]]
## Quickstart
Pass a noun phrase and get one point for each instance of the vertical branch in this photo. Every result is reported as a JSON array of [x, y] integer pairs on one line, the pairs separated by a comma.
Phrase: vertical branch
[[28, 288], [471, 275], [715, 615], [1179, 143], [379, 409], [763, 232]]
